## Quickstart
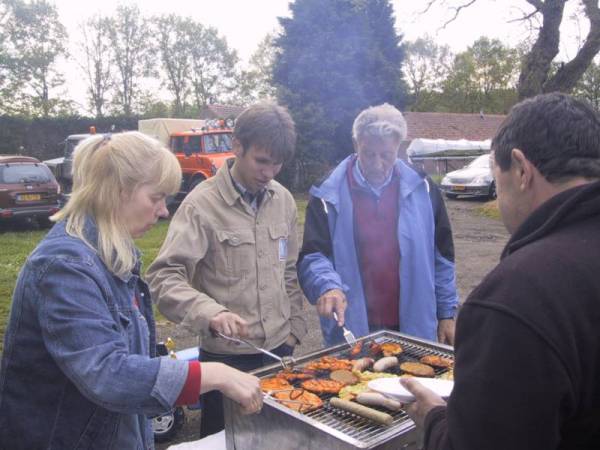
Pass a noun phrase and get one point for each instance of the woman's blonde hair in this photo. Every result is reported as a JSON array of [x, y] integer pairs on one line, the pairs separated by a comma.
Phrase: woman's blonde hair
[[107, 169]]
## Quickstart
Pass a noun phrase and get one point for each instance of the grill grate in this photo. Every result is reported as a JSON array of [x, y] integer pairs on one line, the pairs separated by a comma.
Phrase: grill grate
[[357, 428]]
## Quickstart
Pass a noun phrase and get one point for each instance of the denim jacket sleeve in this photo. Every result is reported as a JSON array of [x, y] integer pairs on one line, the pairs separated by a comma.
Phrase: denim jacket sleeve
[[86, 335]]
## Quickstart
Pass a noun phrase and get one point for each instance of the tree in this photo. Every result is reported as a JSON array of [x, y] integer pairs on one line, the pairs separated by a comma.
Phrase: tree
[[129, 36], [334, 58], [37, 41], [483, 78], [212, 66], [256, 82], [426, 65], [588, 87], [5, 12], [535, 76], [97, 62], [175, 36]]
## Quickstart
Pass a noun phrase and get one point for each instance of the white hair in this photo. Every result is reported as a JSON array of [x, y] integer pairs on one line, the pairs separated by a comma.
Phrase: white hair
[[380, 121]]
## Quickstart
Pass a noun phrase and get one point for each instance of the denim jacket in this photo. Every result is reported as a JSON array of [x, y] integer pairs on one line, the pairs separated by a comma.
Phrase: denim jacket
[[78, 369]]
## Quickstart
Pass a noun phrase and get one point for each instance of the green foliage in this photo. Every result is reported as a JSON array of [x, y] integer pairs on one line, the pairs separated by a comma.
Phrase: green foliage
[[334, 58], [33, 40], [43, 138], [96, 65], [426, 66], [255, 83], [129, 34], [483, 78], [213, 66], [174, 39], [588, 87]]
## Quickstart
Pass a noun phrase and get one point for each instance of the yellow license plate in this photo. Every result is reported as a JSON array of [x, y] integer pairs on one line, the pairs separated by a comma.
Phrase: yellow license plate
[[30, 197], [458, 188]]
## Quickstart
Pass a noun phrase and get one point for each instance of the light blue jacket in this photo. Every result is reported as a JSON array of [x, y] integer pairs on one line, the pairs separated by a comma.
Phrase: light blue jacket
[[427, 279]]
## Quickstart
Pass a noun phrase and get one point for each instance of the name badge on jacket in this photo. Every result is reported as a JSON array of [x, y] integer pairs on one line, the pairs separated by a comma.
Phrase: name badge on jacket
[[283, 251]]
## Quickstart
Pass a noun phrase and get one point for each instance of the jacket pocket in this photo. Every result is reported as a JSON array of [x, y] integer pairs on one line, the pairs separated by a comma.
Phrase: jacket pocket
[[238, 255]]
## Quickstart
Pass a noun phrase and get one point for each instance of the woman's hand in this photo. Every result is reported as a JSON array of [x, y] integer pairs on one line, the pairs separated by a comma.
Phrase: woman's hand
[[240, 387]]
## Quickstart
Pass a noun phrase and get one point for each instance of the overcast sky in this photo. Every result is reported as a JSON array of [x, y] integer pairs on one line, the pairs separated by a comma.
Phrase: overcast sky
[[245, 22]]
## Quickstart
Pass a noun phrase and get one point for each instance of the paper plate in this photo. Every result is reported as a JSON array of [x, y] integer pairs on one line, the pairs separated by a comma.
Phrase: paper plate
[[391, 387]]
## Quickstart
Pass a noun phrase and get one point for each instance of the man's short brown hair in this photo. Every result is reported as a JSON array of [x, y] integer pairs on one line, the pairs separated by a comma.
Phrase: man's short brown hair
[[267, 126]]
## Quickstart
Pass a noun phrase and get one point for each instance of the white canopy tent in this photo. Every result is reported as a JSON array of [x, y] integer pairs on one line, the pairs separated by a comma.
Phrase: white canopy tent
[[161, 129], [439, 156], [445, 149]]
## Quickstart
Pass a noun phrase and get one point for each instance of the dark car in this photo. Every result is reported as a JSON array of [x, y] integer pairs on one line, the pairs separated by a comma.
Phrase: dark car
[[28, 189]]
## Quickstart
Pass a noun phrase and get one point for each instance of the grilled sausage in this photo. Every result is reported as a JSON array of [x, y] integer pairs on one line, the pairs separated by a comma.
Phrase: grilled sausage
[[377, 399], [356, 349], [385, 363], [362, 364], [363, 411]]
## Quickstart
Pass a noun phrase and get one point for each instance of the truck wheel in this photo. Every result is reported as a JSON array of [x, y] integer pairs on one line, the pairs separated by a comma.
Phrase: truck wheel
[[492, 193], [166, 426], [195, 182]]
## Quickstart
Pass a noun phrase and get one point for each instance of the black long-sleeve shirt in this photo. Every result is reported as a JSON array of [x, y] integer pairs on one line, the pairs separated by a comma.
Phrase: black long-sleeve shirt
[[527, 367]]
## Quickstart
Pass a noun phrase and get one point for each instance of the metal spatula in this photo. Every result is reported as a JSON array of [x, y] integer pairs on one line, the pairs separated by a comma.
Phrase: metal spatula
[[348, 336], [287, 362]]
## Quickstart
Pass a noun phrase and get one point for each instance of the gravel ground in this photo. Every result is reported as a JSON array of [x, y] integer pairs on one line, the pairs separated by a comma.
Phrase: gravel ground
[[478, 242]]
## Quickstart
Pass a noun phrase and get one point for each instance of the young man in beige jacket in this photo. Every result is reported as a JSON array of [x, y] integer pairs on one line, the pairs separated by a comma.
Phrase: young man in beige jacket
[[228, 263]]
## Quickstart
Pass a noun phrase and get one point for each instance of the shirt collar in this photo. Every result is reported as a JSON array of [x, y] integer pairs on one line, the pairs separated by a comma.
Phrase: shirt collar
[[254, 200], [362, 181]]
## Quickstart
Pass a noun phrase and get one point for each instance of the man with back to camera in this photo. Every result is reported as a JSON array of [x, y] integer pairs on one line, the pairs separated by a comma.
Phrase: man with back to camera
[[378, 246], [228, 263], [527, 367]]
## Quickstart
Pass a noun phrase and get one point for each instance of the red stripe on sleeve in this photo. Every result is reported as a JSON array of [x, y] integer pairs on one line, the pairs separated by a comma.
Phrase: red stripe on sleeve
[[191, 389]]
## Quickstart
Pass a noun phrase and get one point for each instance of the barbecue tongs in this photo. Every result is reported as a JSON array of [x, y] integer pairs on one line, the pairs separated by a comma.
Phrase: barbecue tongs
[[287, 362]]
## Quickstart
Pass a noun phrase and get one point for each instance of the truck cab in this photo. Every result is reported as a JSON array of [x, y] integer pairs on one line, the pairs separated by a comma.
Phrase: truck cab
[[201, 152], [66, 175]]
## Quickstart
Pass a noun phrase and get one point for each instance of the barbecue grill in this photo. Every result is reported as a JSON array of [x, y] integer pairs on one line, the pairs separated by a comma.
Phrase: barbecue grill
[[278, 427]]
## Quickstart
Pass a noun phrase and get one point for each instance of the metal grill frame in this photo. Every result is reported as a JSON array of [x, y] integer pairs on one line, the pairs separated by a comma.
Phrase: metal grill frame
[[356, 431]]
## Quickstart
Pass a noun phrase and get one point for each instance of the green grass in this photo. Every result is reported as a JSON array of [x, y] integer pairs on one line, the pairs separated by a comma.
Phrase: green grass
[[437, 178], [490, 209], [301, 203], [16, 246]]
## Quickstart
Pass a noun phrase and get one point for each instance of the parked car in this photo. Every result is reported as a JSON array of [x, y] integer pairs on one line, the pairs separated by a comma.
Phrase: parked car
[[28, 190], [475, 180]]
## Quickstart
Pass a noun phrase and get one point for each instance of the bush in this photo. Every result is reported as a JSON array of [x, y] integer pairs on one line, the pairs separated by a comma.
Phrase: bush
[[43, 138]]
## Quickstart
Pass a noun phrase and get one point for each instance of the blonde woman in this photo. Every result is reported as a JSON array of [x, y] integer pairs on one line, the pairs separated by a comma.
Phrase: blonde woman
[[79, 367]]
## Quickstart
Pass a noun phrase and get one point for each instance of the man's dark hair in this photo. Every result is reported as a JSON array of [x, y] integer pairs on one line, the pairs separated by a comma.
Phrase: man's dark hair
[[268, 126], [557, 133]]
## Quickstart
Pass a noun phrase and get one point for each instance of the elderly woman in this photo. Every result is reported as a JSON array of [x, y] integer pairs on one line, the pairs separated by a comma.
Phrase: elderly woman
[[79, 367]]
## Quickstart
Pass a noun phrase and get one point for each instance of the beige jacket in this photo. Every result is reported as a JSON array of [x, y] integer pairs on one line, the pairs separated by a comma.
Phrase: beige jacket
[[220, 255]]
